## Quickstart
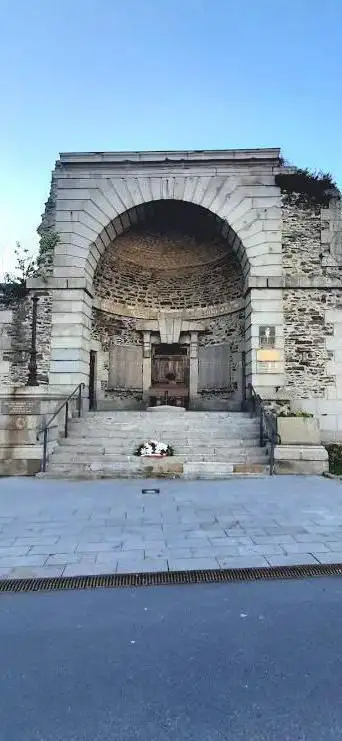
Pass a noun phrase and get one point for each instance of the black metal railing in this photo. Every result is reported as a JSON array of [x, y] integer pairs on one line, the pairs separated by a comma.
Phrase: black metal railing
[[268, 429], [76, 393]]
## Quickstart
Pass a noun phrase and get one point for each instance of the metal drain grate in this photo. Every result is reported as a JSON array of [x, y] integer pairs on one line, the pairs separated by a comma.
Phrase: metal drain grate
[[108, 581]]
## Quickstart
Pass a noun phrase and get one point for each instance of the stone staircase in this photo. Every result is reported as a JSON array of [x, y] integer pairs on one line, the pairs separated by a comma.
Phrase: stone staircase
[[206, 445]]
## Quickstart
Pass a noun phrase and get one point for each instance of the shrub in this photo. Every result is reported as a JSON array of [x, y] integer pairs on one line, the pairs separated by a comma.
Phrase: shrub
[[335, 458]]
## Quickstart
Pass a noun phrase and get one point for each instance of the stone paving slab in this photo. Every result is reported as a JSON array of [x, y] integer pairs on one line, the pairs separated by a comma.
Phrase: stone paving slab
[[51, 528]]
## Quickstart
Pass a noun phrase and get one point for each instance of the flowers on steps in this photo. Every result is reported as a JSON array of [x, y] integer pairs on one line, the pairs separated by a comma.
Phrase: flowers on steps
[[154, 449]]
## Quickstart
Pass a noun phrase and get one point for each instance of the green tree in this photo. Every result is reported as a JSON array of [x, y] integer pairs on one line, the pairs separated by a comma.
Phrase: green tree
[[25, 267]]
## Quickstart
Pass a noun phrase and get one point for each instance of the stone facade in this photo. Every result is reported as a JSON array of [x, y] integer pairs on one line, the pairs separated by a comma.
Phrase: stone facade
[[214, 250], [312, 301]]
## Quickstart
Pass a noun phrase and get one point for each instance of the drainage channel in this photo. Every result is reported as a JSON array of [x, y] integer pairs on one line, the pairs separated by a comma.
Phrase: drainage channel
[[210, 576]]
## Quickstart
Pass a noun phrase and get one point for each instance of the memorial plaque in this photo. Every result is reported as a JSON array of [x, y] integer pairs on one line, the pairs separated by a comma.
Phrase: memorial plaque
[[22, 407], [267, 367], [268, 356]]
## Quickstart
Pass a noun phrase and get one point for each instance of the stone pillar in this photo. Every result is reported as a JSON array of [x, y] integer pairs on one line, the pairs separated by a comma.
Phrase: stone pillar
[[193, 381], [265, 366], [146, 365], [70, 337]]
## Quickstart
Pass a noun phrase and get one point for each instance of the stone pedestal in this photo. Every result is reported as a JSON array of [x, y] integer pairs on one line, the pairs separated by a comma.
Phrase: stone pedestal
[[300, 459], [299, 431], [166, 409], [23, 411]]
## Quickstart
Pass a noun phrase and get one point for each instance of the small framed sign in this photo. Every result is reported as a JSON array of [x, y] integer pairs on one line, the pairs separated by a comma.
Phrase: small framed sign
[[267, 336]]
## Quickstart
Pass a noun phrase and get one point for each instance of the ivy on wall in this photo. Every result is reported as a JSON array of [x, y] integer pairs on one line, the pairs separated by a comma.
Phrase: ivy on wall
[[309, 186]]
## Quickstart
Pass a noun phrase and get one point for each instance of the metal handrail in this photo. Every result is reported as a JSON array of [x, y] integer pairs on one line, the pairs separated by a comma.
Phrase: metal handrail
[[45, 429], [268, 428]]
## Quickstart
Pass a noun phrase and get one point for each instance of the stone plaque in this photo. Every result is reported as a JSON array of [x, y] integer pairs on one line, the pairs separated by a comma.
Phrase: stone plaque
[[266, 336], [214, 364], [22, 407], [125, 367]]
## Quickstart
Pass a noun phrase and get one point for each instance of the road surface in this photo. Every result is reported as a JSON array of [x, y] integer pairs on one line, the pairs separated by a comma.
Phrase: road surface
[[236, 662]]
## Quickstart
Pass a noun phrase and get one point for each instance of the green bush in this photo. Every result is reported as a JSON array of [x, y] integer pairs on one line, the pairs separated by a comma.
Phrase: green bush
[[335, 458]]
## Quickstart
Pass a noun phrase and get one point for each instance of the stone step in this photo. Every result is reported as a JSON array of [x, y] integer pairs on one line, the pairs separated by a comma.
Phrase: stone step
[[234, 456], [194, 418], [118, 429], [212, 470], [251, 430], [189, 470], [143, 434], [207, 445], [100, 444], [189, 418], [168, 413]]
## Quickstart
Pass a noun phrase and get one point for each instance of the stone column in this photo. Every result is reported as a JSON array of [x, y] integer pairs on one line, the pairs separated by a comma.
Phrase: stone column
[[70, 329], [193, 381], [264, 309], [70, 337], [146, 365]]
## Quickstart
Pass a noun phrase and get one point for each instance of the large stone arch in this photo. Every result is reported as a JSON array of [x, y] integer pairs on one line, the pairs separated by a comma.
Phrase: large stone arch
[[200, 248], [95, 197], [126, 219], [91, 211], [169, 261]]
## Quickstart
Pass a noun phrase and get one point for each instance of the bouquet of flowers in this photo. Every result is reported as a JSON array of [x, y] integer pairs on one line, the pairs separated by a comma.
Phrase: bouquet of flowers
[[154, 449]]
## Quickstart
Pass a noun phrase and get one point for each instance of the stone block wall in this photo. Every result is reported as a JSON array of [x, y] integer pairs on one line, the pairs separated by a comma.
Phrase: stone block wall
[[144, 268], [311, 239], [306, 333], [114, 329], [15, 338]]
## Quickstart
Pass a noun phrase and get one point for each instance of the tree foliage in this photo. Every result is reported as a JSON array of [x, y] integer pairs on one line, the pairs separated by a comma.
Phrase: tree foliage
[[25, 267]]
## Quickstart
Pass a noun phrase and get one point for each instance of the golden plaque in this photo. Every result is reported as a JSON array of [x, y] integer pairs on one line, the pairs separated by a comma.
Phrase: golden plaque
[[267, 356]]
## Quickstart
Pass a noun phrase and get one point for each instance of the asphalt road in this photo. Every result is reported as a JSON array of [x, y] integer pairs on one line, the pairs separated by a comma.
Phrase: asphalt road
[[251, 662]]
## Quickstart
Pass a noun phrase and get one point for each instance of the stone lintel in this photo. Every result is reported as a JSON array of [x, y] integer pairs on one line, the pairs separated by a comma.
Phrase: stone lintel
[[161, 157], [170, 334]]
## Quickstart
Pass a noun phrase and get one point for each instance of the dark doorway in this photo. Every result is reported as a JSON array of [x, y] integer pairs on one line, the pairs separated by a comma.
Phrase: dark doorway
[[170, 360], [170, 374], [92, 380]]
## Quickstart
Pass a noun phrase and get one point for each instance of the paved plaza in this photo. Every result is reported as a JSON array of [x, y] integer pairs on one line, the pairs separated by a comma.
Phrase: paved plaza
[[54, 528]]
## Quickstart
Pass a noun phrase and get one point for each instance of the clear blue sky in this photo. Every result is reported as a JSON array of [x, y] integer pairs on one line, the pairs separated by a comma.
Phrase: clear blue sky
[[161, 74]]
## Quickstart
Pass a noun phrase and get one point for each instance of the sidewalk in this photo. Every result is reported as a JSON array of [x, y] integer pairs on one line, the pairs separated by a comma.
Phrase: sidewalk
[[50, 528]]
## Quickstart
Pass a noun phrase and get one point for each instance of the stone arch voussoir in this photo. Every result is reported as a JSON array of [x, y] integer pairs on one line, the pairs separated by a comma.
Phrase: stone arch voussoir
[[127, 217]]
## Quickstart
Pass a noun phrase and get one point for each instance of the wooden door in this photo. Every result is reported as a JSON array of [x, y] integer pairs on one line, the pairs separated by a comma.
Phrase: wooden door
[[170, 364]]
